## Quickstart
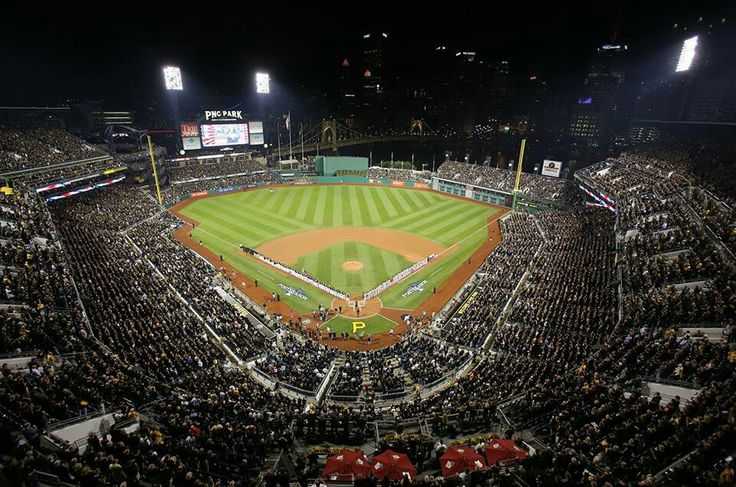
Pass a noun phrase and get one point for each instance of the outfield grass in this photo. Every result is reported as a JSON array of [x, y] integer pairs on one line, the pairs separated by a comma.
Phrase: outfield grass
[[373, 325], [268, 278], [254, 217], [434, 275]]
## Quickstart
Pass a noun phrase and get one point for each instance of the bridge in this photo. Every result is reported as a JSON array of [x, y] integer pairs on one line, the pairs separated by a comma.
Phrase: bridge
[[331, 135]]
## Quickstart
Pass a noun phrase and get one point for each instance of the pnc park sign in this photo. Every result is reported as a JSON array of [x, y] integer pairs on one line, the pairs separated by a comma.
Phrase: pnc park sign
[[212, 115]]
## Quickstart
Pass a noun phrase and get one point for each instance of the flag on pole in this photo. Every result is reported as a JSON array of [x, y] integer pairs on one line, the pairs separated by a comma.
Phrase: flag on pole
[[288, 121]]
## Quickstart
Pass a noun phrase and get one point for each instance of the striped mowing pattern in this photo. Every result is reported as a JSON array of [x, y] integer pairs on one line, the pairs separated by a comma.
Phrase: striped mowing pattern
[[254, 217]]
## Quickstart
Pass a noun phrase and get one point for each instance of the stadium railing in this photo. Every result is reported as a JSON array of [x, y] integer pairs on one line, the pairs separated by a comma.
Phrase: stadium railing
[[43, 479], [343, 398], [671, 382], [275, 381], [52, 167], [388, 396]]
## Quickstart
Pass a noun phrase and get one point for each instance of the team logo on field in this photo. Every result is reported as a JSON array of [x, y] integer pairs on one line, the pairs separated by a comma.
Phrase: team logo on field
[[414, 288], [296, 292]]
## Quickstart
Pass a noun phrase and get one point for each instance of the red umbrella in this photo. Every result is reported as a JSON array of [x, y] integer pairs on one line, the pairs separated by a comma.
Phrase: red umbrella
[[347, 462], [458, 459], [393, 465], [503, 450]]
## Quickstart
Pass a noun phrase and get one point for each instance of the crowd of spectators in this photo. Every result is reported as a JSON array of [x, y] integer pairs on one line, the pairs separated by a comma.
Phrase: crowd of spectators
[[395, 174], [27, 149], [719, 214], [385, 378], [577, 256], [53, 388], [573, 363], [600, 417], [674, 271], [136, 314], [532, 185], [296, 361], [494, 283], [207, 168], [427, 360], [348, 380], [65, 173], [195, 280], [179, 192], [37, 294]]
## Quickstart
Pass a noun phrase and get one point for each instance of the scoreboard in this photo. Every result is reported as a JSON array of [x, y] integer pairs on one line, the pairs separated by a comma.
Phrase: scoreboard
[[224, 134], [220, 128]]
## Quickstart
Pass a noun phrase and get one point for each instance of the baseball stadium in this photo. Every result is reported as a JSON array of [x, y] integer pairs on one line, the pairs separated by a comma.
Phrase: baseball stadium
[[384, 259], [380, 251]]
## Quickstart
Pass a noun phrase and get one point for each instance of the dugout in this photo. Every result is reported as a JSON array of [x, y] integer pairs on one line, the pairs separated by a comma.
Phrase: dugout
[[330, 165]]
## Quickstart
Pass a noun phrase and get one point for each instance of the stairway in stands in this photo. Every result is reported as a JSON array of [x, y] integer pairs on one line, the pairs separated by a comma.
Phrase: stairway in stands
[[367, 387], [395, 368]]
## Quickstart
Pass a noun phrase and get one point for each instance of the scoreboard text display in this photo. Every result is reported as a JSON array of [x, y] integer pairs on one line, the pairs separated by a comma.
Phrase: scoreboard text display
[[217, 135], [189, 129]]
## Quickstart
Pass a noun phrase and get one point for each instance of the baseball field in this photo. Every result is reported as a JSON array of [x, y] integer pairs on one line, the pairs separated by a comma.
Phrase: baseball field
[[351, 237]]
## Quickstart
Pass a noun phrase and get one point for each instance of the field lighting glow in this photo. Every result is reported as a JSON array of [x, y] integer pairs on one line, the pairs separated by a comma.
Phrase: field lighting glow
[[172, 78], [687, 54], [263, 83]]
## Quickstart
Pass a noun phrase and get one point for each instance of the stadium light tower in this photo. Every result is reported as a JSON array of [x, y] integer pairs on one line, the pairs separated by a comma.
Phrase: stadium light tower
[[687, 54], [172, 78], [263, 83]]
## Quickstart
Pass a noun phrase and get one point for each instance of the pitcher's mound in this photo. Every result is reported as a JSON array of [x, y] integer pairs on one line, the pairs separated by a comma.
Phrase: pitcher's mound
[[352, 265]]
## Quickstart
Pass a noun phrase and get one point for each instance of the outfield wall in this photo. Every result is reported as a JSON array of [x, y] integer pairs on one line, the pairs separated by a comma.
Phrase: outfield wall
[[339, 180], [329, 165], [478, 193]]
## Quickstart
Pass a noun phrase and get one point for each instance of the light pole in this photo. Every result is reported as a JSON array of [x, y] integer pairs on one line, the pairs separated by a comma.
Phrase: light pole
[[263, 89], [174, 84]]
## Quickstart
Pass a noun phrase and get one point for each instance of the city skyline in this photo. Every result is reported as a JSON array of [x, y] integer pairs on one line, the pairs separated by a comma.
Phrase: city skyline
[[117, 58]]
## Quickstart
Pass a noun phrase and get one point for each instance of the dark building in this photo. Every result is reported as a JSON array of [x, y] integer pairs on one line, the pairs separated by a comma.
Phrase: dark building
[[373, 68], [600, 109]]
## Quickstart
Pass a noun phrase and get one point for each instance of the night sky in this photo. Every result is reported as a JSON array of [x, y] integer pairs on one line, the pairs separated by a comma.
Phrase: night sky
[[114, 51]]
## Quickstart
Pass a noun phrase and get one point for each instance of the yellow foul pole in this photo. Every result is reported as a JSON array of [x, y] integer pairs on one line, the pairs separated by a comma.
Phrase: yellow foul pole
[[155, 173], [519, 164], [518, 171]]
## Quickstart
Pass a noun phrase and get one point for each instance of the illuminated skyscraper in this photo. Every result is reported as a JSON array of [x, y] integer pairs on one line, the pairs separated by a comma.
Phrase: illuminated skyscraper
[[600, 109]]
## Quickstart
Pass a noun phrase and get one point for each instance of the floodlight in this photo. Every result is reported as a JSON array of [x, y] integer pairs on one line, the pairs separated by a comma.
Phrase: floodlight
[[172, 78], [263, 83], [687, 54]]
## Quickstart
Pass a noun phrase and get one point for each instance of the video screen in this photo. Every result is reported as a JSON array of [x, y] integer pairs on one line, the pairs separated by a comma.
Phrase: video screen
[[190, 143], [256, 133], [224, 134]]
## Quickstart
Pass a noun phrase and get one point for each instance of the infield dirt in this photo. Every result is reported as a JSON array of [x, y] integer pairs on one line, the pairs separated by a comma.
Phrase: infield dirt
[[289, 248]]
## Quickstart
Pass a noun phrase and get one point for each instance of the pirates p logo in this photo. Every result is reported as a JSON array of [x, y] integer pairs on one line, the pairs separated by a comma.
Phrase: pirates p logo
[[358, 325]]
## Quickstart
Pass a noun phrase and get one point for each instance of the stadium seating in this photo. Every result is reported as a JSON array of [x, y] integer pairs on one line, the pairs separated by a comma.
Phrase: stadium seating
[[534, 185], [570, 323], [27, 149], [195, 170]]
